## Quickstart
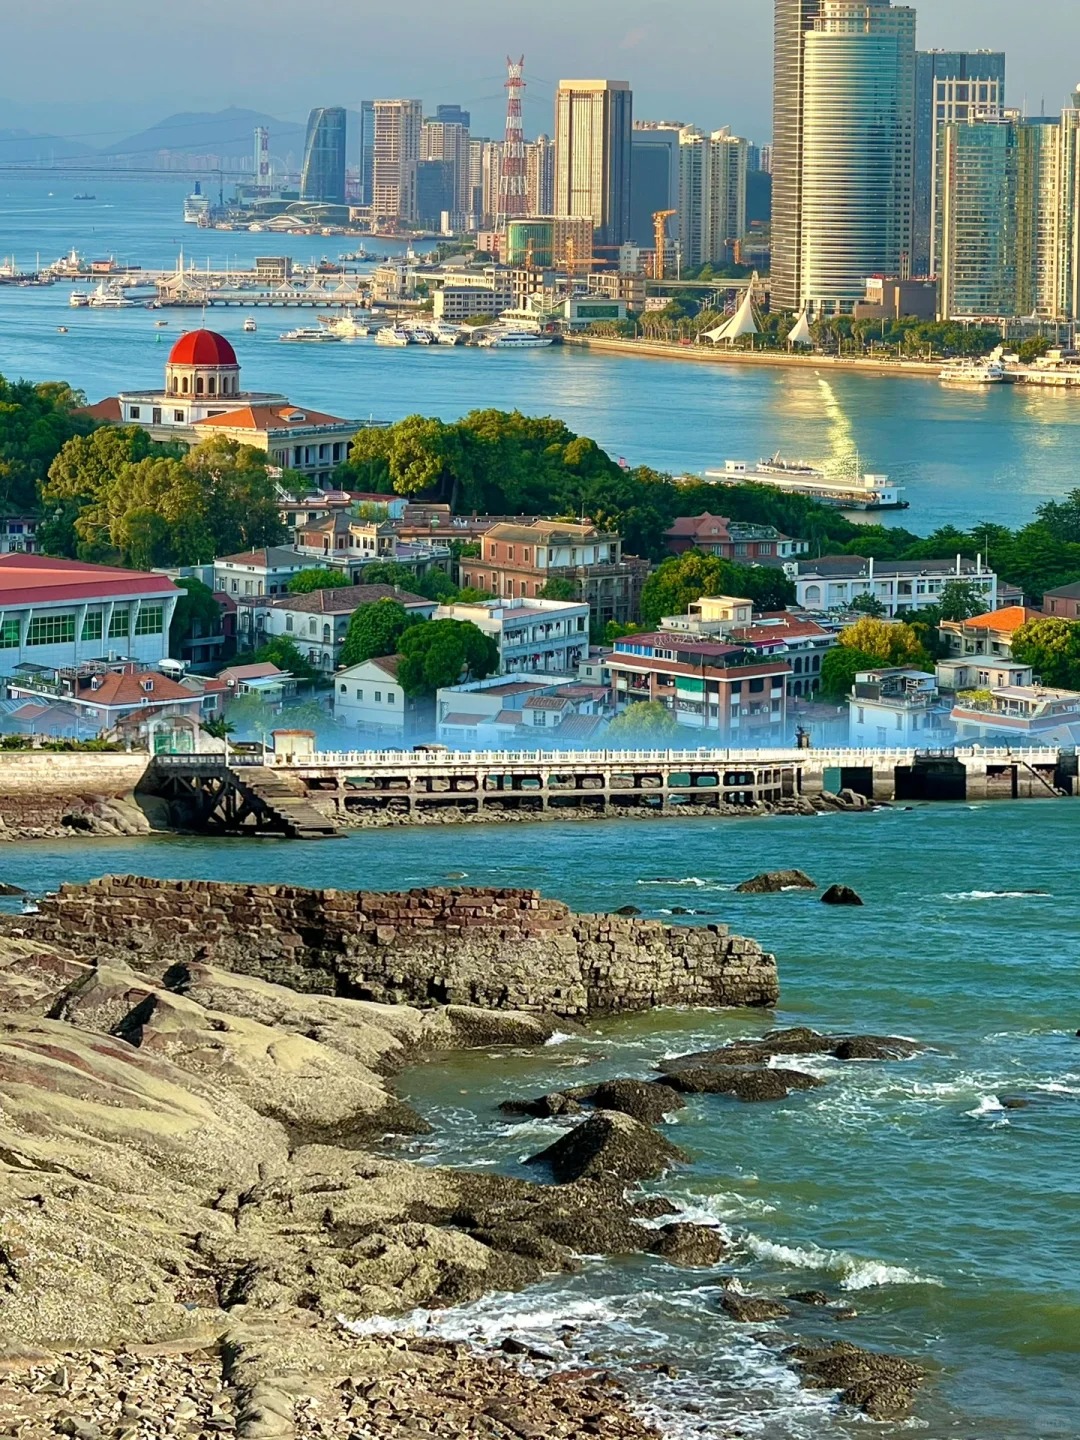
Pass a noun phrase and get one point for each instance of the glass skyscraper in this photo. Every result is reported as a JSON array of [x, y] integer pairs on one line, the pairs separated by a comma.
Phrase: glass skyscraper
[[593, 133], [976, 240], [322, 177]]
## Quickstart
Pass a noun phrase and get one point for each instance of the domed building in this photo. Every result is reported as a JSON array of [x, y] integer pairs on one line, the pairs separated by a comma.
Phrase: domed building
[[203, 396]]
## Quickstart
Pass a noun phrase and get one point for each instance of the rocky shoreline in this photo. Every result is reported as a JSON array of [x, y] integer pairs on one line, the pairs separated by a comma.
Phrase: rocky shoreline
[[193, 1187]]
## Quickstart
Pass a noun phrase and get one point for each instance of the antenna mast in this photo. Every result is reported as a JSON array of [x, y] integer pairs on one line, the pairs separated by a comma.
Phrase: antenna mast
[[512, 181]]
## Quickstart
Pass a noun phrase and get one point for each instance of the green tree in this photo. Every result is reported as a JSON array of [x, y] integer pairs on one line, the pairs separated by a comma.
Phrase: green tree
[[196, 606], [840, 666], [646, 725], [36, 421], [1052, 648], [961, 600], [869, 605], [375, 630], [286, 655], [442, 653], [305, 581], [886, 644], [677, 583], [558, 588]]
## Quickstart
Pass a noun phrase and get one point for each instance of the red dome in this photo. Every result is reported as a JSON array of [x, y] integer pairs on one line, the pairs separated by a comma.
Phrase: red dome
[[202, 347]]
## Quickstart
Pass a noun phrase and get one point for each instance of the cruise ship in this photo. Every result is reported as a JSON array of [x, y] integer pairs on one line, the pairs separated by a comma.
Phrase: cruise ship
[[858, 492], [973, 372], [515, 340], [197, 207], [310, 334]]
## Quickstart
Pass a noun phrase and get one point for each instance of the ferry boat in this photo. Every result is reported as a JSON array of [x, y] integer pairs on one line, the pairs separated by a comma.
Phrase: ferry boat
[[973, 372], [249, 325], [393, 335], [109, 298], [345, 326], [160, 324], [515, 340], [310, 334], [78, 299], [858, 492]]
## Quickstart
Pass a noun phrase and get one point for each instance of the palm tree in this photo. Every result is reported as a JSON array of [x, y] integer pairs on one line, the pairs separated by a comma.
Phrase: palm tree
[[220, 729]]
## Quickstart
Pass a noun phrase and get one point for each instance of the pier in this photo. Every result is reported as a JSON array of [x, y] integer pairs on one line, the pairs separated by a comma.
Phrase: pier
[[240, 797]]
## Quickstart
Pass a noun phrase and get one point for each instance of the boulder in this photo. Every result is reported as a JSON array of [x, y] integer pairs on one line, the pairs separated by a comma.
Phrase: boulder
[[809, 1297], [544, 1107], [883, 1387], [609, 1146], [750, 1085], [752, 1309], [628, 910], [690, 1245], [6, 889], [841, 895], [798, 1041], [644, 1100], [875, 1047], [853, 800], [773, 881]]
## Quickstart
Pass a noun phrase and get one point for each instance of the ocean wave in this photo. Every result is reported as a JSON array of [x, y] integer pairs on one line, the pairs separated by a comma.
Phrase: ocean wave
[[963, 895], [988, 1105], [853, 1271], [691, 882]]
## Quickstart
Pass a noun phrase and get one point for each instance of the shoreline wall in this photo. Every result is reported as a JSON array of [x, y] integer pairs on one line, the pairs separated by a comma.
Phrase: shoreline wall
[[492, 949], [658, 350], [46, 793]]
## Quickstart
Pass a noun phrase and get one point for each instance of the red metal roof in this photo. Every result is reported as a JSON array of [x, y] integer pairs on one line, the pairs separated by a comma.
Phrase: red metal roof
[[36, 579], [202, 347]]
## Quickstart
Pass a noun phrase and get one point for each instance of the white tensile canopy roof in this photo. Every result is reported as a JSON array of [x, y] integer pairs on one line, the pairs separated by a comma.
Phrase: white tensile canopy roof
[[800, 334], [741, 323]]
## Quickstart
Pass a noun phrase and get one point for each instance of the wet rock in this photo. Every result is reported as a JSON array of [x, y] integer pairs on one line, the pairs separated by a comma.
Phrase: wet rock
[[609, 1146], [627, 910], [841, 895], [644, 1100], [6, 889], [798, 1041], [752, 1309], [1014, 1102], [810, 1297], [690, 1245], [883, 1387], [749, 1085], [875, 1047], [853, 800], [772, 882], [544, 1107]]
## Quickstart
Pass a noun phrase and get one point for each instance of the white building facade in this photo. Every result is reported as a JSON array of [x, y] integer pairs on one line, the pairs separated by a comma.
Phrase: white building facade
[[534, 636]]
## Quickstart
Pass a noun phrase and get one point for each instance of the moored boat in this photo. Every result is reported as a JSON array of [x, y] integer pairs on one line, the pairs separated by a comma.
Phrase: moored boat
[[855, 492]]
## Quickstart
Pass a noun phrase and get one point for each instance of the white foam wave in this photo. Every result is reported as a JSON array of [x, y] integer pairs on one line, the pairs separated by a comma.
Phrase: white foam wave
[[1057, 1087], [962, 895], [853, 1271], [988, 1105], [691, 882], [559, 1038]]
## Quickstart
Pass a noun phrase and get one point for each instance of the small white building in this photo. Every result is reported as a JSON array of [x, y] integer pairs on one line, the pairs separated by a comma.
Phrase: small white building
[[317, 622], [534, 636], [259, 572], [369, 699], [898, 708], [982, 672]]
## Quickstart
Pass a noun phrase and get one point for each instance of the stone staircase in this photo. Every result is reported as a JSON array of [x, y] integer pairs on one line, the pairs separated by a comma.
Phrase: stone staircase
[[286, 798]]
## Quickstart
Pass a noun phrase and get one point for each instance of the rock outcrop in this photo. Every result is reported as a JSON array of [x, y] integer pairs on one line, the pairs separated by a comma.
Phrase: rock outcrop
[[841, 895], [487, 949], [609, 1146], [884, 1387], [772, 882]]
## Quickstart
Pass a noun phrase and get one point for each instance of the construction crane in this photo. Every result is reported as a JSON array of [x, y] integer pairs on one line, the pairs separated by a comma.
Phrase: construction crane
[[659, 221]]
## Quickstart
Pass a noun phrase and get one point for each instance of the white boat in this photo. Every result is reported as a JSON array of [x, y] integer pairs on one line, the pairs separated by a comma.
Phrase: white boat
[[515, 340], [109, 298], [249, 325], [973, 372], [61, 329], [421, 336], [346, 326], [393, 335], [310, 334], [796, 477], [196, 207], [78, 299]]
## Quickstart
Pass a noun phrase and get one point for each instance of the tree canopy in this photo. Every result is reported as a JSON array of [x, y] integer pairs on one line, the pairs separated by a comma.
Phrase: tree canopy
[[140, 503], [444, 652], [286, 655], [305, 581], [375, 630], [677, 583], [647, 725], [36, 421], [195, 606], [886, 643], [1051, 646]]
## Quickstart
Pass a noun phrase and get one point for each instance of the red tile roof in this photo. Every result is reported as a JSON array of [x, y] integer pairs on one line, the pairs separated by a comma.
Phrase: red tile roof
[[116, 690], [108, 410], [35, 579], [269, 417], [692, 525], [202, 347], [342, 599], [1006, 621]]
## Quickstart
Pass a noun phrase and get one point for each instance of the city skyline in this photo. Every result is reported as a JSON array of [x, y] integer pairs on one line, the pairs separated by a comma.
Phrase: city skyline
[[59, 88]]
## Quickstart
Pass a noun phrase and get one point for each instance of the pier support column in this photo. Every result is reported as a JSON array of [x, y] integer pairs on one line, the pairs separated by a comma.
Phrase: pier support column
[[884, 780], [977, 783], [811, 780]]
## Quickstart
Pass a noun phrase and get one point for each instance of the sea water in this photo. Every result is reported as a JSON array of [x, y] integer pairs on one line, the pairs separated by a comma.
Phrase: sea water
[[965, 455], [905, 1189]]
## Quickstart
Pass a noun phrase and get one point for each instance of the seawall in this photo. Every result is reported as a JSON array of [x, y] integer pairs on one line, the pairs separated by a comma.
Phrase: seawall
[[494, 949], [49, 793], [764, 359]]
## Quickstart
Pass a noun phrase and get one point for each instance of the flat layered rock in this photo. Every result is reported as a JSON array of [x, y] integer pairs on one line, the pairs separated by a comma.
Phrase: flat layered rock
[[884, 1387], [773, 882], [749, 1085], [797, 1041]]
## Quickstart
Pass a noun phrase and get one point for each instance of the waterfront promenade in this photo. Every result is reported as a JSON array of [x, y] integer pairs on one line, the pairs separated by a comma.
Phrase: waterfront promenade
[[891, 367]]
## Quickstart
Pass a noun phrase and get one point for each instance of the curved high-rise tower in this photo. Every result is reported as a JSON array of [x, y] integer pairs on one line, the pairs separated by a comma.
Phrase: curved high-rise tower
[[322, 177]]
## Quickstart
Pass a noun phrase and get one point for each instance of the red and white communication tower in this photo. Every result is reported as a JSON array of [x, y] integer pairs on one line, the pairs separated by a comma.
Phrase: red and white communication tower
[[512, 185]]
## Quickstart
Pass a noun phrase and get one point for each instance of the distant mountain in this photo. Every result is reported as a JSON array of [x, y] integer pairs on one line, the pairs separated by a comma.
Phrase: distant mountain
[[228, 133], [22, 147]]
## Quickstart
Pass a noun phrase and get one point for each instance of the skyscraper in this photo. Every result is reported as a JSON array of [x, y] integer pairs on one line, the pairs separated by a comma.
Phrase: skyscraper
[[366, 151], [448, 141], [654, 175], [949, 85], [712, 195], [842, 149], [322, 177], [398, 124], [540, 176], [453, 115], [976, 207], [593, 127]]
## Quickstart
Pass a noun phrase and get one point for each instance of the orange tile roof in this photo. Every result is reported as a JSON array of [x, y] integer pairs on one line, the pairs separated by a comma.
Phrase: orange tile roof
[[108, 410], [114, 689], [1006, 621], [269, 417]]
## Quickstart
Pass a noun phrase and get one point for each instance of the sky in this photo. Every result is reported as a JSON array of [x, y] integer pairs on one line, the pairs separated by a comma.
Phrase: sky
[[99, 71]]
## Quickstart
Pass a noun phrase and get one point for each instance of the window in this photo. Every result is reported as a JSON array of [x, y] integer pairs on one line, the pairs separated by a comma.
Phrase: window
[[135, 412], [378, 697], [9, 635], [178, 416], [539, 718], [757, 686], [119, 625], [344, 689], [862, 716], [390, 697], [51, 630], [359, 693], [155, 415], [150, 620], [93, 626], [288, 622], [234, 586]]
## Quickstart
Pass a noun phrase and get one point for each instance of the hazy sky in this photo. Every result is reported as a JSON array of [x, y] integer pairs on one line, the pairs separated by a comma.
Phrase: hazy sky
[[76, 68]]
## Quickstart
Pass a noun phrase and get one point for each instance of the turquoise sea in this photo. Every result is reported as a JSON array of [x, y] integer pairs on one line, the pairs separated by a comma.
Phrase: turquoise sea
[[965, 456], [950, 1223]]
